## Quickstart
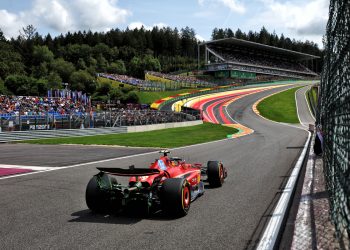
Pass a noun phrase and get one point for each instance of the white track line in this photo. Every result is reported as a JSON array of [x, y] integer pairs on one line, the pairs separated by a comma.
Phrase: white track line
[[106, 160], [271, 233], [117, 158], [309, 105], [268, 240], [280, 123], [35, 168], [296, 104]]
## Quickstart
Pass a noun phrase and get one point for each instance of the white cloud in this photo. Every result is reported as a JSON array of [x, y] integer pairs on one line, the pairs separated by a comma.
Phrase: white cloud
[[10, 23], [201, 2], [53, 14], [234, 5], [200, 38], [98, 14], [304, 20], [139, 25], [65, 15]]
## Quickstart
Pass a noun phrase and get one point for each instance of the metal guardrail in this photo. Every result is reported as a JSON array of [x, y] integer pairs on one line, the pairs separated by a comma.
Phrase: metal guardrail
[[311, 101], [334, 115], [42, 134], [111, 118]]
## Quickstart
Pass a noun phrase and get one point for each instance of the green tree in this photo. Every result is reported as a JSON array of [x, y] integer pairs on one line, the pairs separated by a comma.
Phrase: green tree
[[104, 88], [136, 67], [21, 85], [102, 49], [42, 54], [2, 37], [42, 86], [264, 36], [40, 71], [81, 64], [151, 63], [54, 81], [63, 68], [131, 97], [28, 32], [3, 89], [117, 67], [82, 80], [101, 63], [10, 61], [116, 94]]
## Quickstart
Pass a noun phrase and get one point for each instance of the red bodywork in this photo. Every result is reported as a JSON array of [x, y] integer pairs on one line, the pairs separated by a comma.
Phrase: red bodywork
[[171, 168]]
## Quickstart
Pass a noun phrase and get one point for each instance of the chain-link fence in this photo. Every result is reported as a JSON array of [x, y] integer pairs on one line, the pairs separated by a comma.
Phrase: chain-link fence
[[111, 118], [334, 115]]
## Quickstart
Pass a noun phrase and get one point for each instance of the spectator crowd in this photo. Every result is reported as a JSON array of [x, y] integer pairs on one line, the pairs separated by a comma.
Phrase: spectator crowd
[[182, 79], [136, 116], [34, 105], [124, 79], [23, 109]]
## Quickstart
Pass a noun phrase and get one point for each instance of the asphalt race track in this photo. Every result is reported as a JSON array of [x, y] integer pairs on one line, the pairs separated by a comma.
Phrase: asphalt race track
[[47, 210]]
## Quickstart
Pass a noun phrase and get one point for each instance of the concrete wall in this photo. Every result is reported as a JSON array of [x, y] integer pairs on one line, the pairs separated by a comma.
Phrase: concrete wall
[[142, 128]]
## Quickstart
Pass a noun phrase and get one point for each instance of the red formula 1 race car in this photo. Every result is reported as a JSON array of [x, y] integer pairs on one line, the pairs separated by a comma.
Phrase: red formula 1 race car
[[169, 184]]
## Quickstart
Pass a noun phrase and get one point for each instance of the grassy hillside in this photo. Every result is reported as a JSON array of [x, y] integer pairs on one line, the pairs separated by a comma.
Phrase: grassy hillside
[[150, 97]]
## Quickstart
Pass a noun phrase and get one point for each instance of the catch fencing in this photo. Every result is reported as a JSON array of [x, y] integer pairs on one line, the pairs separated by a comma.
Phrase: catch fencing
[[110, 118], [334, 114]]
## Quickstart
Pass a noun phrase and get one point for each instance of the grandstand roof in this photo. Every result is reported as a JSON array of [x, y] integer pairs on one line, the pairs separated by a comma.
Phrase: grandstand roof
[[252, 45]]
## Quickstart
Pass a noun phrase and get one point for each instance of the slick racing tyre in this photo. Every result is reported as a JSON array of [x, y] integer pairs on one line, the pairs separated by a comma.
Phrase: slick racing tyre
[[176, 197], [97, 200], [215, 173]]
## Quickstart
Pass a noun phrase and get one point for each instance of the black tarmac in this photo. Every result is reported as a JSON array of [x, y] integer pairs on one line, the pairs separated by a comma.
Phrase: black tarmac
[[48, 211]]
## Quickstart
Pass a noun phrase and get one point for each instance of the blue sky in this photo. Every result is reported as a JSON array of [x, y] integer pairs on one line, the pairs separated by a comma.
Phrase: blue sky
[[299, 19]]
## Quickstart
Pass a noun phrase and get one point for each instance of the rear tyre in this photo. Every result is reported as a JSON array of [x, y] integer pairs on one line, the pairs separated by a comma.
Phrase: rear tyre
[[176, 197], [215, 173], [98, 200]]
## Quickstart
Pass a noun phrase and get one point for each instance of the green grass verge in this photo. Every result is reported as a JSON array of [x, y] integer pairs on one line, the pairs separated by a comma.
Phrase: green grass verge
[[280, 107], [150, 97], [114, 83], [314, 95], [165, 138]]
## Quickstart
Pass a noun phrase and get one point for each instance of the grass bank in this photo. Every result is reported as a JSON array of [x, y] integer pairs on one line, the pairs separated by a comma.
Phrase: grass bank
[[280, 107], [150, 97], [166, 138]]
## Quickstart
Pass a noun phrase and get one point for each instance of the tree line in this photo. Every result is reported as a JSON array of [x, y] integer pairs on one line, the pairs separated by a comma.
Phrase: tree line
[[31, 63], [267, 38]]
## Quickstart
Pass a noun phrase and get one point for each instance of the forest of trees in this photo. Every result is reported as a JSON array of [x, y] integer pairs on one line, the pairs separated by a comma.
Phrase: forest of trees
[[272, 39], [31, 63]]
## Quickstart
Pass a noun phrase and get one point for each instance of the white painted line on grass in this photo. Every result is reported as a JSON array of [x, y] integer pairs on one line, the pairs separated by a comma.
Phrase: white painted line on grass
[[272, 230]]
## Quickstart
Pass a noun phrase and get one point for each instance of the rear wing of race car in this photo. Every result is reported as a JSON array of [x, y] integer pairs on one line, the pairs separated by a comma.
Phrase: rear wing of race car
[[129, 172]]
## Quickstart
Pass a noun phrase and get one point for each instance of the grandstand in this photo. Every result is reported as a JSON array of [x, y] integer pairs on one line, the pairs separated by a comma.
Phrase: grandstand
[[236, 58]]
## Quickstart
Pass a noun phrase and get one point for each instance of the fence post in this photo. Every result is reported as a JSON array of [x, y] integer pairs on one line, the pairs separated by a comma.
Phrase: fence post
[[70, 120], [19, 120], [110, 118]]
